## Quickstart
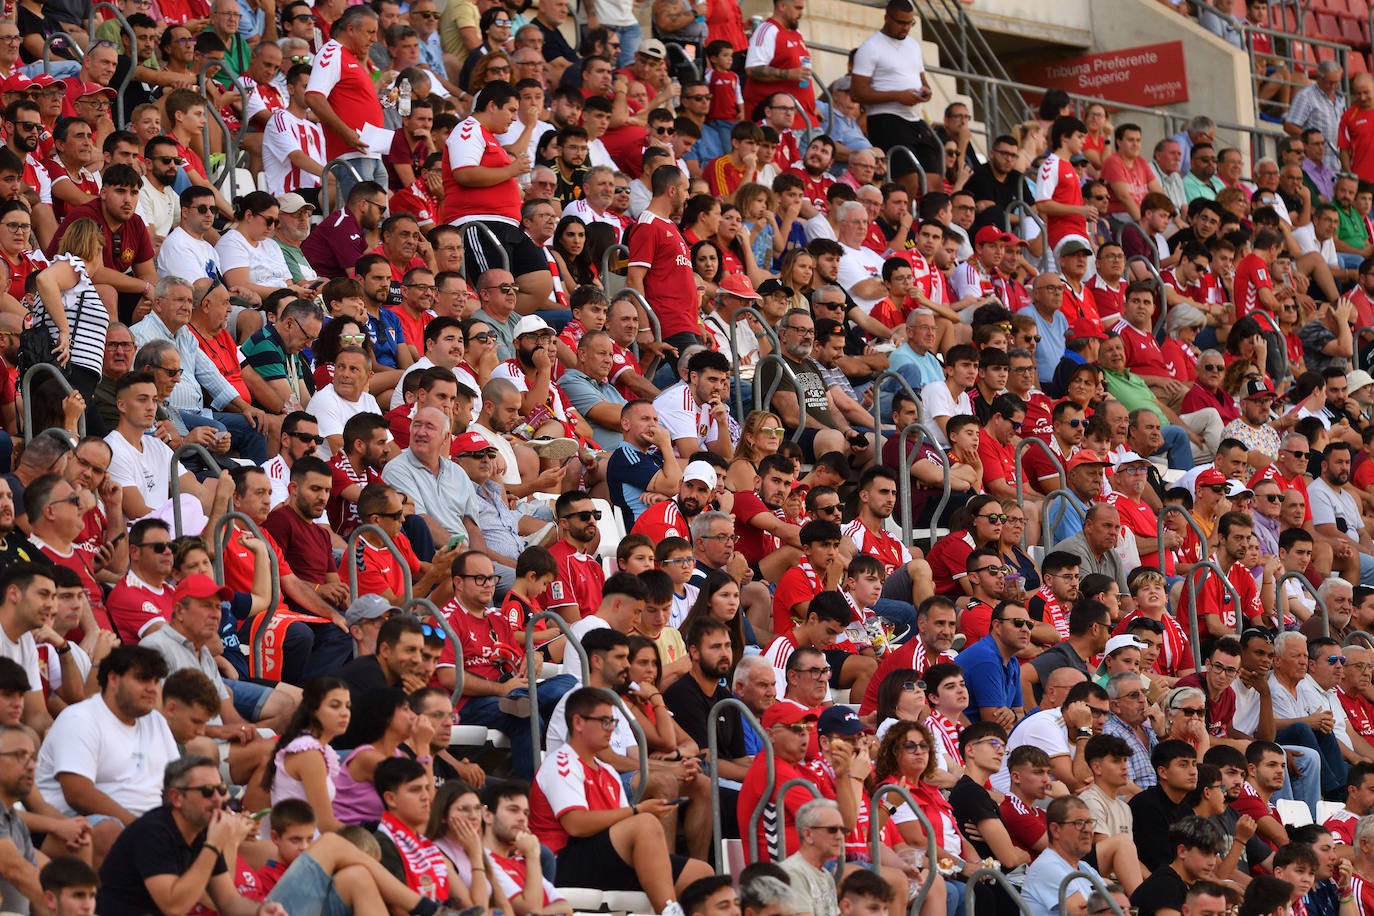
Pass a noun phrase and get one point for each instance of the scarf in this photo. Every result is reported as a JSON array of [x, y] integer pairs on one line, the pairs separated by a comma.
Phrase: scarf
[[426, 872]]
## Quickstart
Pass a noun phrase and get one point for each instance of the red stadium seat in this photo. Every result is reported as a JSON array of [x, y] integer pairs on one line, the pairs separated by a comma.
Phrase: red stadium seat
[[1356, 63], [1353, 35], [1326, 26]]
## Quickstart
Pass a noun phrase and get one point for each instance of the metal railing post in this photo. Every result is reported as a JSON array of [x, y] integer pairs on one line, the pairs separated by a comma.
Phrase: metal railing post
[[1191, 586], [915, 160], [781, 802], [903, 385], [1204, 550], [25, 386], [231, 152], [67, 45], [174, 479], [128, 31], [1027, 211], [1319, 606], [737, 396], [932, 848], [430, 610], [1153, 271], [747, 717], [471, 229], [904, 485], [329, 168], [1097, 884], [614, 251], [351, 558], [651, 365], [995, 876], [1018, 474], [1068, 500], [219, 536]]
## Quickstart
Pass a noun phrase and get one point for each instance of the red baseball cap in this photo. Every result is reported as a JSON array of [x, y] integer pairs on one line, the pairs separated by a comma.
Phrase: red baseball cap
[[45, 80], [785, 712], [1083, 326], [200, 585], [86, 90], [738, 285], [17, 82], [1086, 456], [1210, 478], [993, 234], [470, 442]]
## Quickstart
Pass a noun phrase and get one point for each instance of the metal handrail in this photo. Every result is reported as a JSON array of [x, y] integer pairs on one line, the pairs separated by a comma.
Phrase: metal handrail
[[1093, 879], [713, 759], [351, 558], [1204, 549], [128, 31], [932, 848], [231, 153], [732, 331], [994, 875], [219, 535], [1017, 474], [68, 45], [904, 485], [477, 226], [824, 96], [902, 385], [329, 167], [1065, 498], [1027, 211], [174, 481], [1191, 586], [1307, 587], [1366, 638], [1153, 271], [685, 57], [620, 251], [430, 610], [781, 801], [915, 160], [654, 326], [1360, 362], [25, 386], [786, 374]]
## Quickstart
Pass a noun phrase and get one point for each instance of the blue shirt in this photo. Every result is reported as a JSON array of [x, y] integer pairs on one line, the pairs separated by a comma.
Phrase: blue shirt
[[628, 472], [991, 680], [386, 333], [586, 393], [1070, 522], [1050, 349], [1041, 888]]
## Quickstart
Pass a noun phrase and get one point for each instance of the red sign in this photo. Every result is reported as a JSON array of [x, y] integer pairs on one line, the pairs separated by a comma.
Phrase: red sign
[[1148, 75]]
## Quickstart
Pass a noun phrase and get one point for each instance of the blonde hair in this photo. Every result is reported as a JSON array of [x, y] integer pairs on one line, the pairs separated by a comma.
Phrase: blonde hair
[[745, 451], [83, 238]]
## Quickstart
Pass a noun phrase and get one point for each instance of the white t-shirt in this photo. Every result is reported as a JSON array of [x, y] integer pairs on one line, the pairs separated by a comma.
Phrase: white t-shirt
[[683, 417], [266, 266], [183, 255], [622, 739], [333, 412], [161, 210], [284, 133], [1044, 729], [517, 128], [892, 66], [1306, 237], [148, 471], [24, 653], [126, 762], [857, 265], [1329, 505], [938, 403]]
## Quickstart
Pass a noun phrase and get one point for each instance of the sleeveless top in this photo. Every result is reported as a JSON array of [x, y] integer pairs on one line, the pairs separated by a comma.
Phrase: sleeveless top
[[284, 785], [357, 802], [87, 317]]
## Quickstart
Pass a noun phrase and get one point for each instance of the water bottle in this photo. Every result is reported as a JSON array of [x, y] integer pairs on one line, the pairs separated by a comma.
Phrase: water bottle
[[403, 102], [806, 63]]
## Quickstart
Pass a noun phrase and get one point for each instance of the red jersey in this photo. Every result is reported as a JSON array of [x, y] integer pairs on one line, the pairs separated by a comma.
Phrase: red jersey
[[1143, 523], [378, 570], [1025, 823], [999, 461], [134, 606], [723, 176], [581, 574], [1051, 611], [490, 649], [669, 282], [80, 560], [19, 269], [1214, 600], [343, 514], [1057, 181], [565, 782], [1080, 304], [1250, 803], [1143, 355], [1342, 826], [726, 95], [754, 543], [1363, 890], [813, 186], [798, 585], [1252, 275], [1356, 135], [751, 792], [880, 545], [783, 49], [1359, 712], [910, 654], [346, 82], [1176, 654], [947, 558], [1110, 302], [239, 560], [471, 145]]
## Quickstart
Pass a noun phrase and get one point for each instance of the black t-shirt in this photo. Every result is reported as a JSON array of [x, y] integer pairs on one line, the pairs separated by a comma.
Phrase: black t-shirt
[[1163, 890], [361, 675], [555, 45], [983, 185], [150, 846], [690, 707], [1151, 813], [972, 804]]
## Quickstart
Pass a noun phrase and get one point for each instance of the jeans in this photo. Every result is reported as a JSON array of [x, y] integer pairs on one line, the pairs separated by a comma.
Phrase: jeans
[[1178, 447], [311, 650], [59, 69], [249, 443], [486, 711], [630, 37], [1307, 787], [305, 890], [369, 168], [898, 613], [1333, 766]]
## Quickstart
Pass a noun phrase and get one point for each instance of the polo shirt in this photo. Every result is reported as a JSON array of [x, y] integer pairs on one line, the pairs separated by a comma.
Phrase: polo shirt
[[14, 829], [992, 680], [265, 354], [585, 393], [447, 497], [1132, 391], [629, 471], [179, 653], [335, 245]]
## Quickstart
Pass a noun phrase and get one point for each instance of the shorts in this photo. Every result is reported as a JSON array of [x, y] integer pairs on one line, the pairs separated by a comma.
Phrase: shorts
[[249, 698], [515, 248], [836, 658], [596, 856], [305, 890], [886, 131], [807, 441]]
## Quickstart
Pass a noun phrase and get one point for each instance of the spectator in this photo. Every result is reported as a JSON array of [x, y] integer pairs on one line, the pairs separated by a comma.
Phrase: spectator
[[1070, 830]]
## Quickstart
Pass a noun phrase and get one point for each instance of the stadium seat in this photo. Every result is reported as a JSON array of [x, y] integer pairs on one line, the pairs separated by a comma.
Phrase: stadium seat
[[1327, 26], [611, 528], [628, 902], [1356, 63], [468, 736], [583, 899], [1293, 812], [732, 854]]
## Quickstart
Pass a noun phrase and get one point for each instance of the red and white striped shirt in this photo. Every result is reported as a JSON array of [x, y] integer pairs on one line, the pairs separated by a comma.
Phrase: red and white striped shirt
[[1363, 891], [880, 545], [1176, 654], [286, 133], [946, 733]]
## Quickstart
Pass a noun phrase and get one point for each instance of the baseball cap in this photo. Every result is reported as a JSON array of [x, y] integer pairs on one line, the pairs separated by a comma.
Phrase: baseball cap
[[774, 285], [86, 90], [291, 202], [653, 48], [531, 324], [200, 585], [993, 234], [44, 80], [1234, 488], [1258, 387], [738, 285], [840, 720], [1073, 244], [701, 472], [1210, 478], [1358, 379], [1124, 641], [1086, 456], [1078, 159], [1127, 458], [785, 712], [17, 82], [1084, 326], [367, 607], [470, 442]]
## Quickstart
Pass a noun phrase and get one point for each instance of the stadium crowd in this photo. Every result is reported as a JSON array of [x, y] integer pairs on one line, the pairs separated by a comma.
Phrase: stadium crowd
[[454, 367]]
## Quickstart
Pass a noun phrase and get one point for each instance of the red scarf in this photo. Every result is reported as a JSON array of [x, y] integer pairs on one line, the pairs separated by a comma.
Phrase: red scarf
[[426, 872]]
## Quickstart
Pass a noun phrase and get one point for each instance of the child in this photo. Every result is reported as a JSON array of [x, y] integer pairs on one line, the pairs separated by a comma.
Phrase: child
[[726, 97], [819, 568], [862, 587], [947, 695], [653, 623], [69, 887], [535, 570], [589, 306], [675, 558], [826, 617], [292, 823], [635, 554], [1297, 864]]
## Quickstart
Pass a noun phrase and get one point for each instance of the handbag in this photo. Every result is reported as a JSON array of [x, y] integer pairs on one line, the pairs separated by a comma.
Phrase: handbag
[[36, 339]]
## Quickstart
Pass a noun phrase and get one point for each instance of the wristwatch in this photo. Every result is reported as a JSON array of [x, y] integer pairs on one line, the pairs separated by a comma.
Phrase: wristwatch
[[1079, 733]]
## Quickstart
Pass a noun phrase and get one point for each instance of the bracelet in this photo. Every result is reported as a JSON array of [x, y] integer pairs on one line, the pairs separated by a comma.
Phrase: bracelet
[[424, 760], [66, 648], [212, 847]]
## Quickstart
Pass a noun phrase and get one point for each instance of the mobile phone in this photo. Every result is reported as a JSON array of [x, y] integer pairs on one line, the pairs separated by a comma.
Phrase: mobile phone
[[456, 540], [680, 800], [117, 538]]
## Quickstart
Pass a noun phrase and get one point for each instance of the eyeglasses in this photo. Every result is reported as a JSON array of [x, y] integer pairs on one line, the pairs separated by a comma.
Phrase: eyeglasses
[[509, 289], [996, 518], [208, 791], [680, 561], [585, 516], [73, 500], [817, 673], [801, 332], [480, 580], [482, 337], [21, 757], [504, 22], [606, 722], [307, 438], [996, 743], [18, 227], [425, 286], [1219, 668], [915, 747], [995, 568], [430, 631], [770, 431], [172, 373], [1024, 623], [1083, 823], [910, 686], [1051, 288]]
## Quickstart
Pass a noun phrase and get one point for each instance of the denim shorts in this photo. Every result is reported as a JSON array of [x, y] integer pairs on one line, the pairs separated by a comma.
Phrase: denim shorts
[[305, 890]]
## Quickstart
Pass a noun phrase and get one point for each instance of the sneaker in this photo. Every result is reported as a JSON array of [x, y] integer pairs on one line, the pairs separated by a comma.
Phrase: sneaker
[[554, 449], [515, 706]]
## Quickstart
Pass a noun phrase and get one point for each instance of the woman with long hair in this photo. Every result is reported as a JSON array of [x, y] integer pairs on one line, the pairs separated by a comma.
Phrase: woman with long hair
[[247, 255], [1009, 545], [760, 435], [1097, 144], [303, 765], [495, 26], [901, 698], [719, 599], [337, 334], [979, 523], [732, 239], [569, 247], [73, 312], [456, 822], [667, 740], [387, 722], [494, 66], [798, 273]]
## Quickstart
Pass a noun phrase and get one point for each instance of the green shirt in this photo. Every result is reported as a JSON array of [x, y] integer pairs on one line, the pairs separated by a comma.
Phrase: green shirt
[[1131, 390], [1352, 230]]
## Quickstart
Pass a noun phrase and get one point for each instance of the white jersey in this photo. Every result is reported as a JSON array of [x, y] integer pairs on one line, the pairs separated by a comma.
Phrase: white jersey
[[284, 133]]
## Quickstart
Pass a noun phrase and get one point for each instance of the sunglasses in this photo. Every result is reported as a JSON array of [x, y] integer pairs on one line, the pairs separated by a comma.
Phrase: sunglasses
[[584, 516], [1301, 456], [996, 518], [208, 791], [202, 209], [307, 438], [509, 289], [1024, 623], [1192, 712], [1216, 488], [1334, 659], [908, 686], [358, 339], [430, 631]]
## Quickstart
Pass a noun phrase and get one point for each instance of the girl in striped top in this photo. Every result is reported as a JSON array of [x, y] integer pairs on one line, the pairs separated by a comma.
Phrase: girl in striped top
[[71, 308]]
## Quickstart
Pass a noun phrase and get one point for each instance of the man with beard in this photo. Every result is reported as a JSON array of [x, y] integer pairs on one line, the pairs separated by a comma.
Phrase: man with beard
[[158, 203], [531, 372], [906, 580], [670, 517], [293, 228], [695, 411], [661, 264], [814, 172], [577, 590], [515, 850], [644, 462], [296, 524], [14, 547], [300, 436], [442, 346], [184, 251], [23, 125], [766, 540], [335, 244], [936, 632], [824, 430], [127, 269], [1336, 518]]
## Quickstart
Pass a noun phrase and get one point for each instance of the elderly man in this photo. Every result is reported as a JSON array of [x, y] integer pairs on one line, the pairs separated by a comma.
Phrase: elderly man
[[1303, 714], [1085, 484], [444, 495], [274, 368], [1070, 831], [1095, 545], [589, 388], [1319, 106]]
